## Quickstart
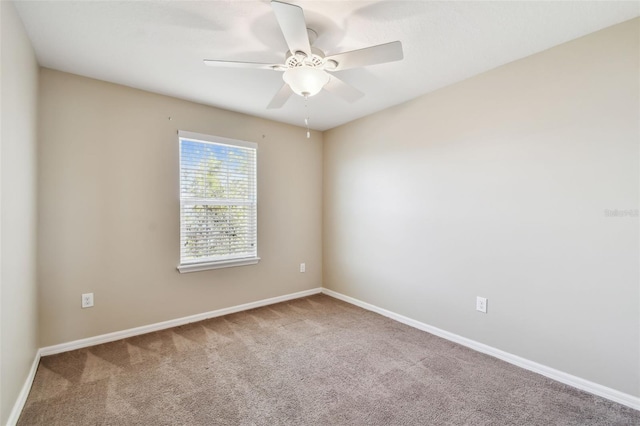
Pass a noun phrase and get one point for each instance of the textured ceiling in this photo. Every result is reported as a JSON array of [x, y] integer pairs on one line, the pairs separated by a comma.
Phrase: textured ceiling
[[159, 45]]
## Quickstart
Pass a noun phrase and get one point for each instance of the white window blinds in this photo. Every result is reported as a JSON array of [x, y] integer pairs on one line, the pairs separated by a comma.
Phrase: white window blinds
[[218, 202]]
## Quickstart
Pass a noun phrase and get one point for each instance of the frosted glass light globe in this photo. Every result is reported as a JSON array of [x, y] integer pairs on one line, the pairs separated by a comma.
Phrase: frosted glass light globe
[[305, 80]]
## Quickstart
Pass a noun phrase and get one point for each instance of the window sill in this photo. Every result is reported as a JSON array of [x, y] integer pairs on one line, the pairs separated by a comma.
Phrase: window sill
[[205, 266]]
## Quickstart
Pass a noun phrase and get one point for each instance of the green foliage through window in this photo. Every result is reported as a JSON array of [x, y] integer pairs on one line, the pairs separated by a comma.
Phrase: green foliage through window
[[218, 209]]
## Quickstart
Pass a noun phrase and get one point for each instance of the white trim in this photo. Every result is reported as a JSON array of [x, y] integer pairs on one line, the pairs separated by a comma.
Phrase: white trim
[[251, 221], [200, 137], [552, 373], [204, 266], [560, 376], [24, 392], [118, 335], [123, 334]]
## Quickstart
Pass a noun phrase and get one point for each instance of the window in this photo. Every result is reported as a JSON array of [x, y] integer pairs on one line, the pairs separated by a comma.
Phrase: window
[[218, 202]]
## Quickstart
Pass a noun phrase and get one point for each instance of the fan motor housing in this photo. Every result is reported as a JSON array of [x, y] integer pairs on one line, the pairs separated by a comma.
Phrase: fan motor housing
[[299, 59]]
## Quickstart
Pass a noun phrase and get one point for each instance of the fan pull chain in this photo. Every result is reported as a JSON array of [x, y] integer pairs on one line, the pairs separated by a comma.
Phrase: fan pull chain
[[306, 119]]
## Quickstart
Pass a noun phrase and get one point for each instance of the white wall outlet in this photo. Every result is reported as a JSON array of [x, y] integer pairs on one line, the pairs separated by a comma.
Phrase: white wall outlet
[[303, 267], [481, 304], [87, 300]]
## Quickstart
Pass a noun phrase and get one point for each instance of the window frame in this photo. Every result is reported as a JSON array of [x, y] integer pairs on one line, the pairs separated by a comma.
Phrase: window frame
[[195, 266]]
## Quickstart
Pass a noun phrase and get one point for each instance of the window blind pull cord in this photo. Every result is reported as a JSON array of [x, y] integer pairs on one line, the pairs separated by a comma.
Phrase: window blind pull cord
[[306, 119]]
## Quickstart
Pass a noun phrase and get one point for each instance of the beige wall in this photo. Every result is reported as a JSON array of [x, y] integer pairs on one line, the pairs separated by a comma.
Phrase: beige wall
[[18, 293], [497, 187], [109, 210]]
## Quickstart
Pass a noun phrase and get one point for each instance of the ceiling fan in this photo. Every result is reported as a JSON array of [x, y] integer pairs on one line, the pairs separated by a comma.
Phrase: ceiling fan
[[306, 69]]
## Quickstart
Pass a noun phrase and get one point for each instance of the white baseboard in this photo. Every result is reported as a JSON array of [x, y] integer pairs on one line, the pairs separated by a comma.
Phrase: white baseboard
[[577, 382], [552, 373], [24, 392], [118, 335], [123, 334]]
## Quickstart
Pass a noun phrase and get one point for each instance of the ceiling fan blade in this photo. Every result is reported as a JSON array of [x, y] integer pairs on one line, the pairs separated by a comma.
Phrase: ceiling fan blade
[[238, 64], [379, 54], [281, 97], [293, 26], [343, 90]]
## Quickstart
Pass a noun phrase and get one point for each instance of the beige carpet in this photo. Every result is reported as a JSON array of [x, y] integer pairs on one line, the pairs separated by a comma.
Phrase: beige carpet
[[312, 361]]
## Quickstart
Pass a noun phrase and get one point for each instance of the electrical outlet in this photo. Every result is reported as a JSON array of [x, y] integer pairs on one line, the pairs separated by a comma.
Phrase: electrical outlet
[[481, 304], [303, 267], [87, 300]]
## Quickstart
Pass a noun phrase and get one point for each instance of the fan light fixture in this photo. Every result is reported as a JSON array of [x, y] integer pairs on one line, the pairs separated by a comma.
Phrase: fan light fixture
[[305, 80], [307, 70]]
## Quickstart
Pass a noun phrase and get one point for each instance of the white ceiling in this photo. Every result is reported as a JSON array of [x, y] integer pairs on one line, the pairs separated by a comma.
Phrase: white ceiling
[[159, 45]]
